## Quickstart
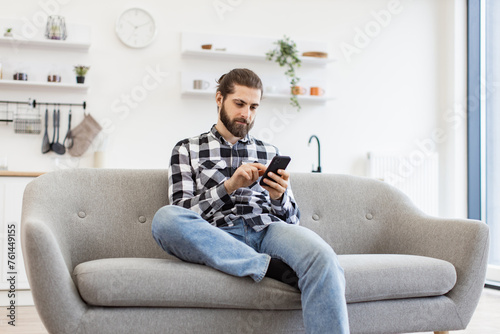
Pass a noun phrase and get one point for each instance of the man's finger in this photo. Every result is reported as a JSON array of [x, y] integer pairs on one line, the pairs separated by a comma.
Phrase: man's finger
[[279, 179]]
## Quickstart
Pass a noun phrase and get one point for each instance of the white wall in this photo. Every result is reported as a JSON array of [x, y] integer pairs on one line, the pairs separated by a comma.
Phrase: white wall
[[392, 94]]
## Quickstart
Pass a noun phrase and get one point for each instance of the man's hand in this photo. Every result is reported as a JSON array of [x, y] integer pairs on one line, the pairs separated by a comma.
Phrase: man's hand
[[247, 174], [278, 186], [244, 176]]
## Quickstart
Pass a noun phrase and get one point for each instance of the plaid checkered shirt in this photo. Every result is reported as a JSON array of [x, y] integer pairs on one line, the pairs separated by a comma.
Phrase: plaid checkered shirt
[[200, 165]]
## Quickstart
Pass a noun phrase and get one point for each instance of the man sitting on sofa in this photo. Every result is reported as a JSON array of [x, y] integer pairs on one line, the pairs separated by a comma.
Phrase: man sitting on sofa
[[222, 217]]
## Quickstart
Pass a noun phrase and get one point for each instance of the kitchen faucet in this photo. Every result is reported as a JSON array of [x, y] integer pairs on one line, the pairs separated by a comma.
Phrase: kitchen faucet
[[318, 170]]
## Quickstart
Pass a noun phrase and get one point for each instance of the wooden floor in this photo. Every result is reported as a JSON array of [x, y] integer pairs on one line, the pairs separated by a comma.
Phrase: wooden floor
[[484, 321]]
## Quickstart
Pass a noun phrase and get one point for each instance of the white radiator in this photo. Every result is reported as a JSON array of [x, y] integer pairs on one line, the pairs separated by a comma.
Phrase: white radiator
[[416, 175]]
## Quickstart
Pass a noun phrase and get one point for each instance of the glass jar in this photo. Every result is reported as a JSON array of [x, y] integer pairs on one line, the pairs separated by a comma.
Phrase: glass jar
[[56, 28]]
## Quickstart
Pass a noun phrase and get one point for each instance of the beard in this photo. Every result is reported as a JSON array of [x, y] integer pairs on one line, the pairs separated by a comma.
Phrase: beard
[[236, 129]]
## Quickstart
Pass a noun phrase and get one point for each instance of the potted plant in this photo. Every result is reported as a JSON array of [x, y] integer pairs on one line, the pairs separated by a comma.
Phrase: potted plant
[[81, 71], [8, 32], [286, 55]]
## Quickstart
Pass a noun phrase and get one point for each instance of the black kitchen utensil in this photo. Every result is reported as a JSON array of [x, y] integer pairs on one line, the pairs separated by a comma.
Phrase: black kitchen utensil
[[56, 146], [54, 125], [69, 136], [45, 141]]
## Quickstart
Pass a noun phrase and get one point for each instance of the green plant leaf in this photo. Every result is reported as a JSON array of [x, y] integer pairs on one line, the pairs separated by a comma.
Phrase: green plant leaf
[[286, 55]]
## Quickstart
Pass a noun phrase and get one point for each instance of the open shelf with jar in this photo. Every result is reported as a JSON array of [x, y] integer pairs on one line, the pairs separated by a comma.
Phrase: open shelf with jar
[[247, 50], [266, 96], [43, 43], [39, 84], [41, 63], [225, 55]]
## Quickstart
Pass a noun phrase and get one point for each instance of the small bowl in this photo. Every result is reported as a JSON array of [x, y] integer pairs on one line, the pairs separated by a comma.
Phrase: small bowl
[[206, 46], [316, 54]]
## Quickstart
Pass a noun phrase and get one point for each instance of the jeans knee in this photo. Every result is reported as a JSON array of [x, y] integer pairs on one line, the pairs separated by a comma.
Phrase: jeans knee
[[325, 257], [165, 221]]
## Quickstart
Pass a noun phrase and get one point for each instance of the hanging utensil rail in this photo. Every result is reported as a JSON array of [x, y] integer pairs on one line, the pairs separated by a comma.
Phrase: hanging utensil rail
[[7, 115], [83, 105]]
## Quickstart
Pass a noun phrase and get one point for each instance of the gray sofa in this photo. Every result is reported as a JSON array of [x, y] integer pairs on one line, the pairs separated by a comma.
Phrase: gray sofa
[[94, 267]]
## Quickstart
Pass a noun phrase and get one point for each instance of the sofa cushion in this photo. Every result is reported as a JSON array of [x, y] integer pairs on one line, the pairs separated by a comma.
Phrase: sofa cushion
[[173, 283], [371, 277]]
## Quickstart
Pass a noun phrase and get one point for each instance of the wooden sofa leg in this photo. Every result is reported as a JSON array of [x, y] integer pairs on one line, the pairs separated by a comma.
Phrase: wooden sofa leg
[[442, 332]]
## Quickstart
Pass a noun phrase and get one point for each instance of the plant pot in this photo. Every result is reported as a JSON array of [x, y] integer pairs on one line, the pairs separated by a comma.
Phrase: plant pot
[[8, 34], [80, 79]]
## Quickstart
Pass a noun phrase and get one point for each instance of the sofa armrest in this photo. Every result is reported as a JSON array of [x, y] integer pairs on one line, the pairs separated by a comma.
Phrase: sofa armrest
[[56, 297], [462, 242]]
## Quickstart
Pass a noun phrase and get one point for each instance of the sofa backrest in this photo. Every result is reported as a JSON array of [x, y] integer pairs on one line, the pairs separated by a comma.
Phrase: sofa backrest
[[105, 213], [98, 213], [355, 215]]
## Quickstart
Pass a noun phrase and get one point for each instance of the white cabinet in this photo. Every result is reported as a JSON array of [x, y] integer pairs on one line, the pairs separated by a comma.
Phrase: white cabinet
[[11, 256]]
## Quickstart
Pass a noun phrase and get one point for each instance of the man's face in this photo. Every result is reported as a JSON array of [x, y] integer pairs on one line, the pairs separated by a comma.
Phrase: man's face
[[237, 110]]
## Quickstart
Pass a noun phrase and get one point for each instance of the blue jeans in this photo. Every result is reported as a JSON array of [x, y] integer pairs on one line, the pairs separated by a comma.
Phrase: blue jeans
[[241, 251]]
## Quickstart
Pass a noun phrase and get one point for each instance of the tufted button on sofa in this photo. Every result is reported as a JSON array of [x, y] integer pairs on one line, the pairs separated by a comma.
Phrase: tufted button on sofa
[[94, 267]]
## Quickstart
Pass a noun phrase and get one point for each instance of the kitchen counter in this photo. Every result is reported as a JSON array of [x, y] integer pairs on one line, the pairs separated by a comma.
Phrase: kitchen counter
[[20, 174]]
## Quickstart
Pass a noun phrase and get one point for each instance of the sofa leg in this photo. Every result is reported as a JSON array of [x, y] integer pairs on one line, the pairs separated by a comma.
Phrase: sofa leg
[[442, 332]]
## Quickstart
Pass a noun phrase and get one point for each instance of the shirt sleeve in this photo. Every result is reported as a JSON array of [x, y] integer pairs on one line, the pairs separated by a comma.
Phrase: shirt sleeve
[[183, 190], [286, 208]]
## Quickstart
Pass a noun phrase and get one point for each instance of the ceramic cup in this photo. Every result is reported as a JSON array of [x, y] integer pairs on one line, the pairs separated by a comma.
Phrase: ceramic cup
[[200, 84], [54, 78], [317, 91], [21, 76], [298, 90]]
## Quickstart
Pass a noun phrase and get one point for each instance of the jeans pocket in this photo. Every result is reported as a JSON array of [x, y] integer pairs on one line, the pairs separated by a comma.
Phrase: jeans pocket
[[237, 230]]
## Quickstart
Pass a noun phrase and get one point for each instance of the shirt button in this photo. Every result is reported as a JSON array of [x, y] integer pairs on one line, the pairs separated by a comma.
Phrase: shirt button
[[315, 217], [142, 219], [369, 216], [81, 214]]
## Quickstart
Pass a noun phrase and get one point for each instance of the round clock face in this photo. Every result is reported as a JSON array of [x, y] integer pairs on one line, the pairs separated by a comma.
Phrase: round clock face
[[136, 28]]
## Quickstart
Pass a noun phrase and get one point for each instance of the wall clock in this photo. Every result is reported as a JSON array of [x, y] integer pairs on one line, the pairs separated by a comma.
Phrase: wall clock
[[136, 28]]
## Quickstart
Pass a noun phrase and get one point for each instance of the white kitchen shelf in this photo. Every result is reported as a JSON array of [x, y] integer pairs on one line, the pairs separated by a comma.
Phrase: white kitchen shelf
[[46, 43], [198, 93], [225, 55], [34, 84], [302, 98], [248, 50], [267, 96], [79, 36]]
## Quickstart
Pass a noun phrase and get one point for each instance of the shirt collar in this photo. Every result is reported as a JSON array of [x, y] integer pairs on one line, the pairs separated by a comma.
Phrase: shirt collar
[[247, 139]]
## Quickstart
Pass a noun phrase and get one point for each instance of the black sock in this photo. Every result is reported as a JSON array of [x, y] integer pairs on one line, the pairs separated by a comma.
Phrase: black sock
[[282, 272]]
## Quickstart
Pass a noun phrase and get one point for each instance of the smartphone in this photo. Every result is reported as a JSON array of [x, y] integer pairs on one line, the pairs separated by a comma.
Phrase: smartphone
[[278, 162]]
